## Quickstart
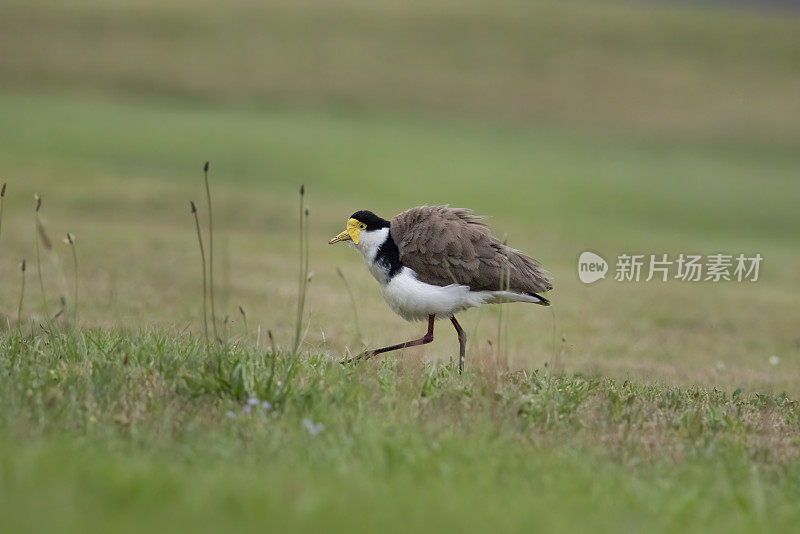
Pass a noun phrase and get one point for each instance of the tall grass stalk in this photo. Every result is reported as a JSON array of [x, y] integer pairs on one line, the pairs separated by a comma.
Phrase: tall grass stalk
[[203, 265], [225, 293], [2, 200], [244, 320], [352, 303], [39, 234], [271, 382], [210, 252], [554, 360], [63, 301], [502, 320], [71, 241], [302, 283], [21, 294]]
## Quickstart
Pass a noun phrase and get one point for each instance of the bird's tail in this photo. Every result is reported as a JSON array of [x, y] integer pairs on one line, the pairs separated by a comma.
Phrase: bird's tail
[[499, 297], [543, 301]]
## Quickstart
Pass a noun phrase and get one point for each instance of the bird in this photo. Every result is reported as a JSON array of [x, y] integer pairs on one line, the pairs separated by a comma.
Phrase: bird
[[433, 262]]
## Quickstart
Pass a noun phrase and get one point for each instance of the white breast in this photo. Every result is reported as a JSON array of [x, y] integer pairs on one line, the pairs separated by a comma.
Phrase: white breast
[[415, 300]]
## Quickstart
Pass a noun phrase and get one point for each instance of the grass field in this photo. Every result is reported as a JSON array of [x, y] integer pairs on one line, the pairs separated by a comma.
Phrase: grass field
[[576, 126], [148, 431]]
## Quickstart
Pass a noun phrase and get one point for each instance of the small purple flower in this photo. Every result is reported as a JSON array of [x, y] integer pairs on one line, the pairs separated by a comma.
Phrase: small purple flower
[[313, 428], [247, 409], [231, 415], [266, 406], [252, 401]]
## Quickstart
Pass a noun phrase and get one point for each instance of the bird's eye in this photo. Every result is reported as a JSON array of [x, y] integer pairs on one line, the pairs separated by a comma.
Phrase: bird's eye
[[363, 226]]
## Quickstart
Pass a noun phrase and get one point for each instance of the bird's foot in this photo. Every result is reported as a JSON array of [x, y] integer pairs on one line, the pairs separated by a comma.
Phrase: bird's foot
[[366, 355]]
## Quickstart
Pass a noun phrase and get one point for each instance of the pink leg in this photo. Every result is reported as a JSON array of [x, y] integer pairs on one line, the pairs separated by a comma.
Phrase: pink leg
[[462, 343], [427, 338]]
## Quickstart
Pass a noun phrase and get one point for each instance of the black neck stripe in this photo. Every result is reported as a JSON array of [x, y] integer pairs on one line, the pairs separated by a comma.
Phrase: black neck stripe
[[389, 256]]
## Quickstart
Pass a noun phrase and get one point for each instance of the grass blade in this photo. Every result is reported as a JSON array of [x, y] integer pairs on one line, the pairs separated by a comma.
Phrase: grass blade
[[303, 271], [39, 234], [203, 265], [210, 253], [21, 294], [2, 199], [71, 241]]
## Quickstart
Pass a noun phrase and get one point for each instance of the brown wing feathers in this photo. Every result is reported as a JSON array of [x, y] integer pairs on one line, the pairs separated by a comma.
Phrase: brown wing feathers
[[451, 245]]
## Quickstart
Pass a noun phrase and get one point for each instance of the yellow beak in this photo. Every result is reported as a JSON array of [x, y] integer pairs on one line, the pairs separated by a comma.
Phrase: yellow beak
[[344, 236], [350, 233]]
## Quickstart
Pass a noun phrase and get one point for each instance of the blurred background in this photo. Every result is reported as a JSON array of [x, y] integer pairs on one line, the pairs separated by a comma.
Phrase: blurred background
[[636, 127]]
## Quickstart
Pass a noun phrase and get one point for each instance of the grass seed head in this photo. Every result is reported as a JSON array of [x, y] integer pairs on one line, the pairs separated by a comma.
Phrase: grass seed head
[[194, 208], [22, 265], [48, 245], [205, 167], [3, 191], [38, 200]]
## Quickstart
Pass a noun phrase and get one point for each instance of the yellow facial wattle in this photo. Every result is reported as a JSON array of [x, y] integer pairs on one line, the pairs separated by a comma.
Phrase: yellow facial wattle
[[350, 233]]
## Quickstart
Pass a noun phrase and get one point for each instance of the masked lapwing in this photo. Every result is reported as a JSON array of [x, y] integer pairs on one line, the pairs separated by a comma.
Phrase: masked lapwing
[[435, 261]]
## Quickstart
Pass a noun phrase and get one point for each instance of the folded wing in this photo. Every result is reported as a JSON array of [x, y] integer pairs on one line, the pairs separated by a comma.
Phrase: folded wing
[[452, 246]]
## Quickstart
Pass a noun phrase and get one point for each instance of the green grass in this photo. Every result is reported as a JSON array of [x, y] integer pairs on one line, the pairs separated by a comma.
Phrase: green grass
[[613, 127], [141, 160], [134, 431]]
